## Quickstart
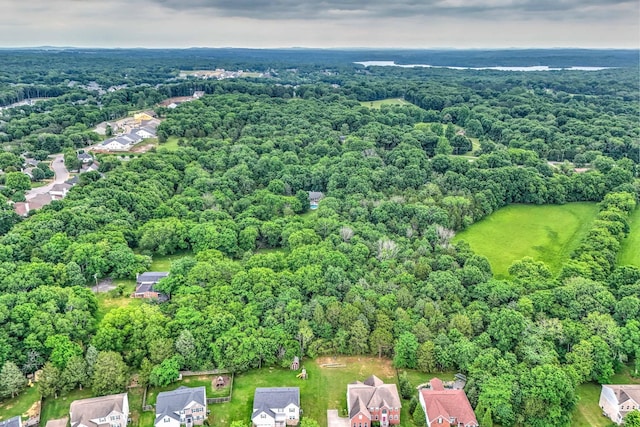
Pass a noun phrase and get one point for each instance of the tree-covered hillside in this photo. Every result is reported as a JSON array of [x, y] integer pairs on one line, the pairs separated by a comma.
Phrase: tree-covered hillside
[[373, 270]]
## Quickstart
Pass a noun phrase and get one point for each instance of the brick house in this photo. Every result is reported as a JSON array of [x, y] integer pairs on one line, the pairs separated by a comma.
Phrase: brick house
[[373, 400], [446, 407]]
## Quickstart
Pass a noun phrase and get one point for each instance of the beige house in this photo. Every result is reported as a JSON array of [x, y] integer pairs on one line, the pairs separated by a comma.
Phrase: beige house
[[104, 411], [373, 401], [617, 400]]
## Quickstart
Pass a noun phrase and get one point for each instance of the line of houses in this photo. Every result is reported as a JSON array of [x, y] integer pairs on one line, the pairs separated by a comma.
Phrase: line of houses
[[145, 128]]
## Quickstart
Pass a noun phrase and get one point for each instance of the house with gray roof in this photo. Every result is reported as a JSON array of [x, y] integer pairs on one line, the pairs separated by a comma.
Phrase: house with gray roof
[[276, 407], [145, 283], [12, 422], [185, 406], [104, 411]]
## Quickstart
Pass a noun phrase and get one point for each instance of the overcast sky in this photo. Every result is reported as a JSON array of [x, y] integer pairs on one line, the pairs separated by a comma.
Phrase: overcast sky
[[321, 23]]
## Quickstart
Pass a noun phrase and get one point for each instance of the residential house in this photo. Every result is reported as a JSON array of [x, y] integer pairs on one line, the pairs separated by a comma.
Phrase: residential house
[[12, 422], [59, 191], [116, 144], [276, 407], [145, 283], [105, 411], [373, 401], [61, 422], [446, 407], [617, 400], [145, 132], [85, 158], [33, 204], [314, 199], [185, 406]]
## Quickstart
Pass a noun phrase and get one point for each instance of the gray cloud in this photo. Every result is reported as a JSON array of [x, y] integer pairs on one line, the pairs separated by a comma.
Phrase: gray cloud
[[348, 9]]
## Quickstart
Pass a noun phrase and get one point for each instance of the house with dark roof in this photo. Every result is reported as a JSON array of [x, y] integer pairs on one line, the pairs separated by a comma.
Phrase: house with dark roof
[[314, 199], [276, 407], [373, 401], [85, 157], [446, 407], [185, 406], [618, 400], [104, 411], [145, 283], [12, 422]]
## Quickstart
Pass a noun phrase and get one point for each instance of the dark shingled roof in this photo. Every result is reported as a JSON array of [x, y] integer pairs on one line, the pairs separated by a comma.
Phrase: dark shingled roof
[[152, 276], [170, 402], [12, 422], [274, 397]]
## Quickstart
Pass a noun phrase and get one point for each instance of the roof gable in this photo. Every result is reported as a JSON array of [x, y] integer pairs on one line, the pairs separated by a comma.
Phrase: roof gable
[[169, 403], [267, 398], [447, 404]]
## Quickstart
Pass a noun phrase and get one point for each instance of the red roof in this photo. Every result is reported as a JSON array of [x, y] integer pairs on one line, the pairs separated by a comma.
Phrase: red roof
[[452, 406]]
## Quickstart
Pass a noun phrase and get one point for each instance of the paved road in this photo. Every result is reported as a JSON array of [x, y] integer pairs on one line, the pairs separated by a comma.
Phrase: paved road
[[61, 175]]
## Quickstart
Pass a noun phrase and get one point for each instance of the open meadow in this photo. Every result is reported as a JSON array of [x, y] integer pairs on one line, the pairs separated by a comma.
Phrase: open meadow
[[630, 248], [547, 233], [381, 102]]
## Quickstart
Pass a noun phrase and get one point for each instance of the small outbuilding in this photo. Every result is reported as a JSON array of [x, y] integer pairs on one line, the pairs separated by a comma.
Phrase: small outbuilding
[[295, 365]]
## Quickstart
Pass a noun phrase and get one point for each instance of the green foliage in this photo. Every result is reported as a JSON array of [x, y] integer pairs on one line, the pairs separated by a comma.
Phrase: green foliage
[[632, 419], [406, 351], [50, 381], [406, 391], [110, 374], [487, 420], [419, 417], [12, 380], [165, 373]]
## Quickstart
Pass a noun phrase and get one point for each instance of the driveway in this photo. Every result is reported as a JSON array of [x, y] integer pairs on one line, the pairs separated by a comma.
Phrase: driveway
[[61, 175], [333, 420]]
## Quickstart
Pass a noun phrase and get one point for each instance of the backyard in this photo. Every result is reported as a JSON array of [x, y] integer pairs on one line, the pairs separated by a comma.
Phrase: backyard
[[325, 388], [630, 248]]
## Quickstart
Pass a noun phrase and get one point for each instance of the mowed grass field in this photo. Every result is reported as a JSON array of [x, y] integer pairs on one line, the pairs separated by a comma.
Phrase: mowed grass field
[[381, 102], [547, 233], [630, 249]]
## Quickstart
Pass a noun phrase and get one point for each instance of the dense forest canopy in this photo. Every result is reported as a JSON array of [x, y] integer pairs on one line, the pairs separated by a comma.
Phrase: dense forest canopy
[[373, 269]]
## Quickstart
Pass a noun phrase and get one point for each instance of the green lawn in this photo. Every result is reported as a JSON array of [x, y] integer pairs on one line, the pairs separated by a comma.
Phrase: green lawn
[[19, 405], [171, 144], [547, 233], [381, 102], [194, 381], [53, 409], [630, 249], [163, 262], [324, 389]]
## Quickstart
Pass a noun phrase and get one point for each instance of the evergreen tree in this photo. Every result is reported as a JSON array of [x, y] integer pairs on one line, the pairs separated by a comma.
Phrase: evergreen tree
[[12, 380], [487, 420]]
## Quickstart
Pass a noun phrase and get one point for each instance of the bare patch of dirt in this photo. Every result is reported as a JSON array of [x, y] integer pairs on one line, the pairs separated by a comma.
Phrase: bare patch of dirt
[[34, 410], [105, 285]]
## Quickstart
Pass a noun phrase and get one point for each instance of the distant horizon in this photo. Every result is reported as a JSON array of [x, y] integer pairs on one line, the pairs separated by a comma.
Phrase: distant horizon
[[345, 48]]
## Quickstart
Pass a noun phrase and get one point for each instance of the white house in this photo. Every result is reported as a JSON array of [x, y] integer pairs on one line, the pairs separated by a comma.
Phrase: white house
[[617, 400], [144, 133], [116, 144], [276, 407], [112, 411]]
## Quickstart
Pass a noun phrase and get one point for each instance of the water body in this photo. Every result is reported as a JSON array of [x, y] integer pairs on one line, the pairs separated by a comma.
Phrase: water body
[[529, 68]]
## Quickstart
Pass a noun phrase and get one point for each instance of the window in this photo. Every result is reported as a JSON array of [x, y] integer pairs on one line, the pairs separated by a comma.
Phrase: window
[[263, 415], [167, 419], [292, 409]]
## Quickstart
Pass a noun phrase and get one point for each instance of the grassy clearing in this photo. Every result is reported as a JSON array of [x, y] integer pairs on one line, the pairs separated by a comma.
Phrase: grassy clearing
[[171, 144], [324, 389], [19, 405], [546, 233], [630, 249], [163, 262], [390, 101]]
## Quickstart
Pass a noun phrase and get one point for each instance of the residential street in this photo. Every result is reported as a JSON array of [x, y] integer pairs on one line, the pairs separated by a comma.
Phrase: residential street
[[61, 175]]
